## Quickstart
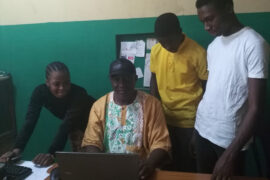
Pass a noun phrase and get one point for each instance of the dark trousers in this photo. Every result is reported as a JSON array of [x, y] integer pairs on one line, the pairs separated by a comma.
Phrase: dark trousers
[[182, 159], [208, 153]]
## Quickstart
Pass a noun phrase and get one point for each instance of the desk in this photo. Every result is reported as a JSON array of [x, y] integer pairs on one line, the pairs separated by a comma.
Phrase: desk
[[172, 175], [38, 173]]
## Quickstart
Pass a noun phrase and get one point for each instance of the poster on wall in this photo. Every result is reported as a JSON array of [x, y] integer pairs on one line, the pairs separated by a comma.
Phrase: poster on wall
[[140, 48], [139, 72], [147, 72], [128, 50], [150, 42]]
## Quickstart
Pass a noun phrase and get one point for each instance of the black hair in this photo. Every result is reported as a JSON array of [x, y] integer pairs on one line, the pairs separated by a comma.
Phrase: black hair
[[167, 24], [56, 66], [122, 66], [219, 4]]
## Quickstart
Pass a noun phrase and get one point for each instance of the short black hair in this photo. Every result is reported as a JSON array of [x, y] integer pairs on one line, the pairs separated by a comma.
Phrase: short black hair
[[219, 4], [122, 66], [56, 66], [167, 24]]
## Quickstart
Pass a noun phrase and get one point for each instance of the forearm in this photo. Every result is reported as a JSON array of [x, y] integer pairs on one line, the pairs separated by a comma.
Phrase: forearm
[[60, 139], [25, 133], [31, 120], [155, 160], [91, 149], [23, 137], [157, 157], [256, 96], [225, 166], [245, 132], [154, 87], [72, 123]]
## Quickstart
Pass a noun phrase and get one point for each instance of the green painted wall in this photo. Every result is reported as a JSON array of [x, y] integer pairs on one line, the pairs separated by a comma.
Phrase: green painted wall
[[87, 48]]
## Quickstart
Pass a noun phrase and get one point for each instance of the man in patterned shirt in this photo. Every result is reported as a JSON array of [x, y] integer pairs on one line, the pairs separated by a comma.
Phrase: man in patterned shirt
[[128, 121]]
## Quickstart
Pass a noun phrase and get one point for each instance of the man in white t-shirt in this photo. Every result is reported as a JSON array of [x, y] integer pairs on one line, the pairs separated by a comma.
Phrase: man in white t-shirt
[[235, 91]]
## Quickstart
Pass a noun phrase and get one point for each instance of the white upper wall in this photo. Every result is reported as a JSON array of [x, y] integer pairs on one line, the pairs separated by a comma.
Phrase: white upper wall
[[39, 11]]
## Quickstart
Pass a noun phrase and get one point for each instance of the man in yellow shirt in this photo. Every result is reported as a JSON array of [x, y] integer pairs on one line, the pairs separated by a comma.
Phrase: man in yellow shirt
[[178, 66], [128, 121]]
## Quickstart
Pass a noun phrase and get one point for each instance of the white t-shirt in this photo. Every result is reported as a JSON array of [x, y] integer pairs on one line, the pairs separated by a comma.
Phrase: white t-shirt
[[231, 61]]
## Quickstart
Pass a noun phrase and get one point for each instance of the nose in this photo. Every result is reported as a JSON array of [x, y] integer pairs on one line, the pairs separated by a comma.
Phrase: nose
[[121, 81], [206, 26], [61, 87]]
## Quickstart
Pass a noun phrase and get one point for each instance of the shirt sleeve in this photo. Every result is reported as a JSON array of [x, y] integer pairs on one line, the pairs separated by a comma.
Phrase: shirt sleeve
[[78, 109], [75, 119], [32, 116], [156, 133], [201, 66], [94, 133], [257, 56]]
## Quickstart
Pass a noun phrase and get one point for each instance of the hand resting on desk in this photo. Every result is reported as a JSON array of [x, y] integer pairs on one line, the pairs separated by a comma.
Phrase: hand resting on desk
[[8, 156], [40, 159], [43, 159]]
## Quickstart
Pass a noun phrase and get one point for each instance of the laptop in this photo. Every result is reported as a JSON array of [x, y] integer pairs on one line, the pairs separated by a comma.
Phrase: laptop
[[97, 166]]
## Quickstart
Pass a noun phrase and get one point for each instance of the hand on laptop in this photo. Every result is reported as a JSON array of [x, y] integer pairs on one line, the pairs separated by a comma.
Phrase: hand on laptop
[[145, 170], [10, 154], [155, 160], [43, 159]]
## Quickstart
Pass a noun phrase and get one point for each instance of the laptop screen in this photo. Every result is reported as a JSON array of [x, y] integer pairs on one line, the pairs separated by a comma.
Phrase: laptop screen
[[97, 166]]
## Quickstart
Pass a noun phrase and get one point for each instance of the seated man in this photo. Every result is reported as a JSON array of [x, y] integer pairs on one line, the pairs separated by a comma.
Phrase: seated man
[[128, 121]]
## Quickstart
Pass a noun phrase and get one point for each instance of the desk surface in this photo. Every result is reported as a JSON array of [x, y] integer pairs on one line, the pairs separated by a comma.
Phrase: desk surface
[[37, 172], [172, 175]]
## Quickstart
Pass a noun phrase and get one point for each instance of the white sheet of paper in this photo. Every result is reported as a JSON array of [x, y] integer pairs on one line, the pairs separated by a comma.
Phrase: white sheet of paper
[[37, 172], [150, 42], [128, 48], [147, 72], [140, 48], [130, 57], [139, 72]]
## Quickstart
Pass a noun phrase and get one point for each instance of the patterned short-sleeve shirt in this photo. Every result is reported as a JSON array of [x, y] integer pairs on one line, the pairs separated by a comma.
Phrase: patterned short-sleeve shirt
[[123, 127]]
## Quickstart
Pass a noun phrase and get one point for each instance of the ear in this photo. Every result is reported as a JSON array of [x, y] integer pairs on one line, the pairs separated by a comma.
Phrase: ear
[[229, 9], [110, 77], [136, 77], [47, 82]]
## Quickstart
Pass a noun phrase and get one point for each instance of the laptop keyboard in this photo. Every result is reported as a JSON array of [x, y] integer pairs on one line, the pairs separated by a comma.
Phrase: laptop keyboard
[[15, 172]]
